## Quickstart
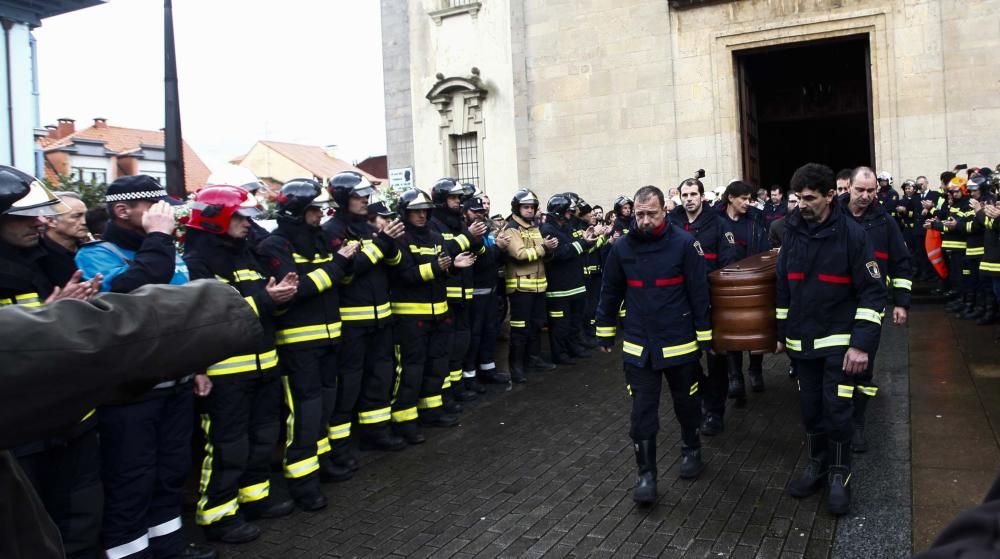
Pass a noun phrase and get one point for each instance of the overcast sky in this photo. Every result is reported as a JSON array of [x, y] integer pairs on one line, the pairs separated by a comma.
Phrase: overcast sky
[[304, 71]]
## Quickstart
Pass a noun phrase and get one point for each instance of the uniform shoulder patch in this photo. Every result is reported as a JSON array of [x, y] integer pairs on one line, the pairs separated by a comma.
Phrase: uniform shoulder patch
[[873, 270], [697, 247], [730, 238]]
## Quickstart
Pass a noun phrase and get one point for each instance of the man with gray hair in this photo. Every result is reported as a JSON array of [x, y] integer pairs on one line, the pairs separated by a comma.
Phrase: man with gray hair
[[892, 255], [65, 234]]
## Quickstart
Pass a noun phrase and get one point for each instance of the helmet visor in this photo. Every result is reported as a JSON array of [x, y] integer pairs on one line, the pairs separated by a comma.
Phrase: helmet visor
[[39, 201]]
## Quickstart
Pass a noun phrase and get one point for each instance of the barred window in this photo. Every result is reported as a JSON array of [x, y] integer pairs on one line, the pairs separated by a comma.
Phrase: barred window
[[465, 158], [457, 3]]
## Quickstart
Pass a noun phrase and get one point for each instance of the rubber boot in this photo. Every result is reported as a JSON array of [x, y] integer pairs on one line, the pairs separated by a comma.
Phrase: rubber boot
[[815, 473], [838, 501], [955, 305], [978, 309], [968, 303], [691, 464], [712, 425], [990, 315], [410, 432], [756, 373], [331, 471], [536, 363], [515, 362], [858, 442], [343, 454], [461, 393], [737, 389], [645, 459], [234, 530], [471, 384], [380, 437]]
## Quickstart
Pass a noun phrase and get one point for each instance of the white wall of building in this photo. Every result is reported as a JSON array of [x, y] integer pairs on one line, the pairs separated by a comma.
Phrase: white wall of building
[[22, 100]]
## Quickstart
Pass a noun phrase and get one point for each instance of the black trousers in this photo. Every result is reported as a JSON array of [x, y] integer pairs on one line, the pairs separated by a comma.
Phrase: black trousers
[[482, 320], [365, 378], [955, 259], [240, 421], [645, 384], [826, 396], [487, 354], [460, 337], [527, 316], [565, 315], [145, 458], [591, 298], [309, 383], [67, 478], [422, 346], [716, 383]]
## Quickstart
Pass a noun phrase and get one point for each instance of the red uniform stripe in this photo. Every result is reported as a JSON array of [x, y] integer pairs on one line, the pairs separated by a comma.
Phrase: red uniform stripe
[[662, 282], [796, 276], [829, 278], [634, 283], [711, 256], [881, 255]]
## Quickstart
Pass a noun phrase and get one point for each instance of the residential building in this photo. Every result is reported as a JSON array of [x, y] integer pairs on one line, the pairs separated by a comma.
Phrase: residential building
[[278, 162]]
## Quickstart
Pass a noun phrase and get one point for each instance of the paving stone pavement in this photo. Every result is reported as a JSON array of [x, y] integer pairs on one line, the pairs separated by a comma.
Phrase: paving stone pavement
[[547, 469]]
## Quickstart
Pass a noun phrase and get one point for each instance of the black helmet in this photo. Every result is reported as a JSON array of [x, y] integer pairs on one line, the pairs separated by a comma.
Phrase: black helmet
[[446, 187], [473, 204], [574, 199], [298, 194], [345, 184], [523, 197], [23, 194], [413, 199], [622, 201], [558, 205]]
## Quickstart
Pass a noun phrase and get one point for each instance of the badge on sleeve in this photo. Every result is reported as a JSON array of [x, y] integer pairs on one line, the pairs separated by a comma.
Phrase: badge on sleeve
[[730, 238], [697, 246], [873, 270]]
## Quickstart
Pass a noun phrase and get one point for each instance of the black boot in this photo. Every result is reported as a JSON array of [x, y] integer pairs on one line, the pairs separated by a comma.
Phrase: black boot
[[990, 315], [380, 437], [712, 425], [691, 464], [269, 507], [858, 442], [838, 502], [473, 386], [955, 305], [737, 389], [437, 417], [344, 455], [536, 363], [198, 551], [576, 350], [232, 531], [815, 472], [968, 302], [645, 459], [492, 376], [461, 393], [515, 362], [978, 308], [331, 471], [588, 341], [756, 373], [409, 431]]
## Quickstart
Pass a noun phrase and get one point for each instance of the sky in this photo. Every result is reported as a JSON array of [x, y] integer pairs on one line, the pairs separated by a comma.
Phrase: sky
[[302, 71]]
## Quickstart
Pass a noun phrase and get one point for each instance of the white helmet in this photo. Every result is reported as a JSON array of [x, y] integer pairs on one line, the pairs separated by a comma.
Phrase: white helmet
[[885, 176], [234, 175]]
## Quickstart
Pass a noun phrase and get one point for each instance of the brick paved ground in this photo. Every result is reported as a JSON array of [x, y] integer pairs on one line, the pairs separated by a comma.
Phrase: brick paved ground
[[547, 469]]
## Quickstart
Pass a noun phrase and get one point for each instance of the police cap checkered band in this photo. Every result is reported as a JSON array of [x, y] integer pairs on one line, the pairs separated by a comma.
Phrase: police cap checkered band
[[148, 195], [135, 187]]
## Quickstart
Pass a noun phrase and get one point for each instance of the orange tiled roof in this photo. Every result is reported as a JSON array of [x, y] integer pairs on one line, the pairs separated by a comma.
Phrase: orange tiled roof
[[124, 141], [316, 160]]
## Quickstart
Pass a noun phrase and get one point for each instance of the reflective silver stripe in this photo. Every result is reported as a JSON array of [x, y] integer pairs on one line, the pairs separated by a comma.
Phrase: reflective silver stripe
[[483, 291], [173, 383], [130, 548], [165, 528]]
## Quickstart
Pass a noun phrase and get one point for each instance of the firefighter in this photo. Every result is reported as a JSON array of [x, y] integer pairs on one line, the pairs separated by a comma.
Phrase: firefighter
[[623, 217], [525, 281], [447, 220], [308, 332], [424, 322], [830, 297], [145, 443], [887, 195], [65, 471], [365, 359], [592, 272], [980, 292], [564, 295], [750, 234], [241, 413], [953, 242], [719, 248], [479, 360], [988, 219], [659, 272], [897, 276]]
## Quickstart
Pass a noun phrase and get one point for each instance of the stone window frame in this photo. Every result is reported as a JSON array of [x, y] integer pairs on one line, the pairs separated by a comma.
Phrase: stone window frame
[[459, 103], [449, 8]]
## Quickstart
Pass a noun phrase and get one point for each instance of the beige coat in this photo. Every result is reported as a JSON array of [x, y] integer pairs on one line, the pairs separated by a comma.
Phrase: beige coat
[[525, 269]]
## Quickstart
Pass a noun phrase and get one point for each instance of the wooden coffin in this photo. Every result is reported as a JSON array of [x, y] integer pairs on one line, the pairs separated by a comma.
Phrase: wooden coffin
[[743, 297]]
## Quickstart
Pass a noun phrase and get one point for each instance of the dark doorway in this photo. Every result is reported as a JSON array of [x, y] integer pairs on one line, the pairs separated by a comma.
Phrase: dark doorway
[[805, 102]]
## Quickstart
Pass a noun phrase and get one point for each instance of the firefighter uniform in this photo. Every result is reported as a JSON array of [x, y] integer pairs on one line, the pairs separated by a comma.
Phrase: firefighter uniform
[[307, 337], [524, 277], [64, 470], [978, 291], [989, 266], [719, 248], [241, 414], [661, 278], [145, 445], [366, 344], [479, 358], [953, 244], [423, 330], [830, 297], [565, 294]]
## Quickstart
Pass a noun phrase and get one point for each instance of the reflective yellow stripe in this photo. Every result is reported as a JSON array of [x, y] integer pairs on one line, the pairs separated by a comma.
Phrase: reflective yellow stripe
[[468, 294], [463, 242], [430, 402], [426, 271], [455, 376], [88, 416], [454, 292], [446, 384], [321, 279], [704, 335], [537, 285], [567, 293], [372, 255], [255, 492], [409, 414], [348, 314], [678, 350], [834, 340], [322, 446], [557, 314], [308, 333], [953, 244], [578, 247], [214, 514], [694, 389], [302, 468], [394, 261], [337, 432], [206, 463], [794, 345], [425, 251], [899, 283], [631, 348], [606, 331], [247, 275], [989, 266], [531, 253], [781, 314], [975, 251], [867, 390], [869, 315], [966, 272], [24, 299], [238, 364], [432, 309], [299, 259], [253, 305], [374, 416], [518, 324], [845, 390]]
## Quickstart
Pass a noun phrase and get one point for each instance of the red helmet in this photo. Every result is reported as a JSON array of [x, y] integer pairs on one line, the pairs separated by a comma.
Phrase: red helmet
[[214, 207]]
